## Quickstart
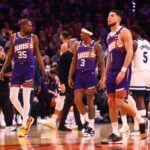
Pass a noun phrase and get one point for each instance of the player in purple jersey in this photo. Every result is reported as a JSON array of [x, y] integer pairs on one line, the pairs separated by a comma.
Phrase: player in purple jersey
[[118, 74], [23, 46], [83, 77]]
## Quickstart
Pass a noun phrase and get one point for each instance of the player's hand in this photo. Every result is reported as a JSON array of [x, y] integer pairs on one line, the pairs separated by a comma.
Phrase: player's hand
[[120, 77], [101, 84], [63, 88], [1, 75], [70, 83]]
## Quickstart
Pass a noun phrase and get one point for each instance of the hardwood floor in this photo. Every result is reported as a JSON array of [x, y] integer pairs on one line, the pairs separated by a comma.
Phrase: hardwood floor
[[43, 138]]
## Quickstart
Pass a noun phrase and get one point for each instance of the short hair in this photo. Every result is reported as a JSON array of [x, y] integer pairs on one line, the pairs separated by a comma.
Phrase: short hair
[[23, 21], [65, 34], [118, 13], [135, 28]]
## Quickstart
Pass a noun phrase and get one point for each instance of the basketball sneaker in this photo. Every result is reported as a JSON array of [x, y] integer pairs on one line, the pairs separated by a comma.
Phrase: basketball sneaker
[[22, 132], [124, 128], [29, 122], [50, 123], [88, 132], [113, 138]]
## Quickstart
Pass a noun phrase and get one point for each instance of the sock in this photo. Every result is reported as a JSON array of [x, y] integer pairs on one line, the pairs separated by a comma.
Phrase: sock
[[26, 104], [124, 120], [54, 117], [141, 113], [14, 91], [139, 119], [115, 128], [91, 123], [86, 117]]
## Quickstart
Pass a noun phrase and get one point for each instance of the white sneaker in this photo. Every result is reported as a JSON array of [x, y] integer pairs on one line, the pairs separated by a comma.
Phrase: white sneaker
[[124, 129], [10, 128], [2, 123], [50, 123]]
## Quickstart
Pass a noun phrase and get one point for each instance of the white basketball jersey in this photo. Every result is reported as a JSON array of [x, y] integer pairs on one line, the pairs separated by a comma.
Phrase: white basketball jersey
[[141, 59]]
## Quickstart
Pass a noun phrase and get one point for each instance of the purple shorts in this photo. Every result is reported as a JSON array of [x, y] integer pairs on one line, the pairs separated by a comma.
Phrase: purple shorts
[[22, 72], [85, 80], [111, 85]]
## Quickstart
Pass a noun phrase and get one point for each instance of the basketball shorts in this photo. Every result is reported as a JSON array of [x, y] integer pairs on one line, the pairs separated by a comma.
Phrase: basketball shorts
[[22, 72]]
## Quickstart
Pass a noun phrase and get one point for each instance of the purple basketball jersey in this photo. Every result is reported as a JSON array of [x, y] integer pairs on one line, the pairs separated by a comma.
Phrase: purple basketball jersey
[[23, 70], [86, 57], [23, 49], [117, 52]]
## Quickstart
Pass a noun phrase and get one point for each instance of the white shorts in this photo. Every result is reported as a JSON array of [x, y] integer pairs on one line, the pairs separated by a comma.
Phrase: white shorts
[[140, 81]]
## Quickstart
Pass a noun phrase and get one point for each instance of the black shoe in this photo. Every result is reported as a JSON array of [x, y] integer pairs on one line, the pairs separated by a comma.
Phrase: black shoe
[[144, 129], [85, 125], [80, 128], [63, 128], [88, 132], [113, 138]]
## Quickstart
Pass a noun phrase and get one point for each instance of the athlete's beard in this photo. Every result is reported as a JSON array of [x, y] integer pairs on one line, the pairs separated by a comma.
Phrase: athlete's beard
[[28, 32], [112, 25]]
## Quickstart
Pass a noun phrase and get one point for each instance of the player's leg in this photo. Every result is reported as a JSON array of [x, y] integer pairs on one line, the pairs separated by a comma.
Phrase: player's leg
[[120, 95], [15, 84]]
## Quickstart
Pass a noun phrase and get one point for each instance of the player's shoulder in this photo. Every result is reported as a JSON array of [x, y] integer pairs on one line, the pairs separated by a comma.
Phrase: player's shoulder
[[33, 35], [124, 30], [97, 44]]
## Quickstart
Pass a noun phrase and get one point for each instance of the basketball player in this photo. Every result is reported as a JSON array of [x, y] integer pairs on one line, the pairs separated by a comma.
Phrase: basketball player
[[118, 73], [140, 72], [23, 46], [83, 77]]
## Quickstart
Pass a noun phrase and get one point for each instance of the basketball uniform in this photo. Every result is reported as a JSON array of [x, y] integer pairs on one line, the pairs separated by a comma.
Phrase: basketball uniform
[[24, 69], [85, 77], [140, 79], [117, 56]]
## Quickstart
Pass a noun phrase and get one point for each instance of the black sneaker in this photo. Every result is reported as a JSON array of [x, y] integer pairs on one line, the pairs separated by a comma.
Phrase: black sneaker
[[113, 138], [63, 128], [144, 129], [88, 132], [85, 125]]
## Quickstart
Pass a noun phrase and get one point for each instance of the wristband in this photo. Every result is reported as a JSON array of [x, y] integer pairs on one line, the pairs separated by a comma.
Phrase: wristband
[[124, 69]]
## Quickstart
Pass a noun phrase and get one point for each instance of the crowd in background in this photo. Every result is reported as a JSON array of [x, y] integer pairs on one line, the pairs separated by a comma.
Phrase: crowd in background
[[50, 18]]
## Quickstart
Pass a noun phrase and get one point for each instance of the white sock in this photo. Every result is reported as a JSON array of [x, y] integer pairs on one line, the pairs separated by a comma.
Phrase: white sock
[[26, 104], [124, 120], [139, 119], [115, 128], [54, 117], [142, 112], [14, 91], [86, 117], [91, 123]]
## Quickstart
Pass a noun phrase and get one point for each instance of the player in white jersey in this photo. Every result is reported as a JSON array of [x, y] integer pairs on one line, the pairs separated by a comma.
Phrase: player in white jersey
[[140, 80]]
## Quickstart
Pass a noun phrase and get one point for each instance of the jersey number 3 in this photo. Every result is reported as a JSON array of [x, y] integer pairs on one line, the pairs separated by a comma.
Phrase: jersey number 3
[[22, 54], [82, 64]]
